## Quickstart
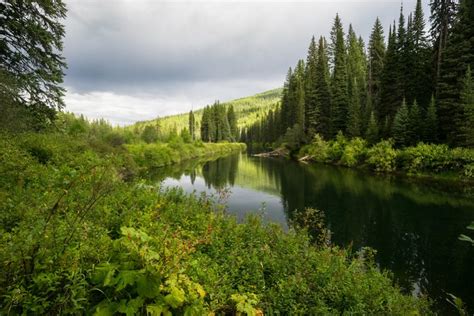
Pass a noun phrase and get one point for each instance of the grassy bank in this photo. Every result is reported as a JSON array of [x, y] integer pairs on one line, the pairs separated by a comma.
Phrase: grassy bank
[[163, 154], [81, 232], [423, 160]]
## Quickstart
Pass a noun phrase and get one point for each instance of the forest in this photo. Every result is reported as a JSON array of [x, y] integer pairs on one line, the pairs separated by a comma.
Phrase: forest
[[414, 86], [86, 229]]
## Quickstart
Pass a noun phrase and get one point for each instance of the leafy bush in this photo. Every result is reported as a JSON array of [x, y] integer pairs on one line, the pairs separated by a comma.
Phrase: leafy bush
[[382, 157], [318, 149], [354, 152], [336, 148]]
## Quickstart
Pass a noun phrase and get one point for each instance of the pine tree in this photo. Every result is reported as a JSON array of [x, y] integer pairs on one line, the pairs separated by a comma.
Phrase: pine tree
[[232, 119], [339, 88], [192, 125], [376, 54], [299, 105], [354, 115], [415, 124], [402, 55], [467, 101], [442, 19], [323, 91], [421, 78], [311, 102], [431, 123], [391, 95], [205, 125], [458, 55], [401, 125], [30, 52], [372, 133], [285, 102]]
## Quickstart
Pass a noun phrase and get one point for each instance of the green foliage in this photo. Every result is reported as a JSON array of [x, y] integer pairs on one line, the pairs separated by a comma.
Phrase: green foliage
[[354, 152], [401, 126], [149, 134], [247, 111], [79, 239], [382, 157], [30, 52]]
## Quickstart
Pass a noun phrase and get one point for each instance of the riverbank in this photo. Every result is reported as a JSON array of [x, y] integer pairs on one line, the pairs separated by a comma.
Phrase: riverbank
[[158, 155], [424, 161], [82, 233]]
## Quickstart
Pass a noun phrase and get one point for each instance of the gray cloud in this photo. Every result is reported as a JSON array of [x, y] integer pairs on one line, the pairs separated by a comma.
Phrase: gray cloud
[[184, 53]]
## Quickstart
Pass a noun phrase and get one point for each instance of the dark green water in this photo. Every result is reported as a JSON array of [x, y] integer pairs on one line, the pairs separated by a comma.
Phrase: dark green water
[[413, 226]]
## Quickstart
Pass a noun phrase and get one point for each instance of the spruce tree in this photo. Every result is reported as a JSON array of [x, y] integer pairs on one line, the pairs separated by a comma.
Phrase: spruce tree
[[372, 133], [442, 19], [431, 123], [232, 119], [30, 52], [285, 102], [376, 53], [311, 102], [299, 96], [459, 54], [205, 125], [391, 95], [192, 125], [401, 125], [354, 115], [415, 124], [339, 88], [323, 91], [421, 78], [467, 101]]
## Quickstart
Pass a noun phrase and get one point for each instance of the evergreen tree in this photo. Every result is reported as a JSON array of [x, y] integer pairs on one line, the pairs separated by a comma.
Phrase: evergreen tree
[[354, 115], [431, 123], [357, 74], [339, 88], [459, 54], [285, 102], [299, 95], [192, 125], [376, 54], [323, 91], [415, 124], [401, 126], [372, 133], [467, 101], [391, 95], [421, 78], [311, 101], [30, 52], [232, 119], [442, 19]]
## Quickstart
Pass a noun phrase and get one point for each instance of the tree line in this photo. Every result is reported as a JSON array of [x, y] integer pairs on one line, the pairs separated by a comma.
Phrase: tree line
[[218, 123], [412, 86]]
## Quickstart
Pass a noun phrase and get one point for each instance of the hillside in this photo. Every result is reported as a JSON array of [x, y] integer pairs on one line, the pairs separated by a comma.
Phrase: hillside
[[247, 109]]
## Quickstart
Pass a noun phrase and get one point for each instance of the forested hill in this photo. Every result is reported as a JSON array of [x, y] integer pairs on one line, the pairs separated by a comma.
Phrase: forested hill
[[248, 110]]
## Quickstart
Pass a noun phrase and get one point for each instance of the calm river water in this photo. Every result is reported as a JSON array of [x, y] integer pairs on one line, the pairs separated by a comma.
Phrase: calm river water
[[413, 226]]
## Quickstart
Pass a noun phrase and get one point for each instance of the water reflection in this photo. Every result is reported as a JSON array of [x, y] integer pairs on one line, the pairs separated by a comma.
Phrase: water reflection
[[413, 226]]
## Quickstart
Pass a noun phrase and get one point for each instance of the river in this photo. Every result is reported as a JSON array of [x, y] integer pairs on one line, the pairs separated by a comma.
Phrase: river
[[413, 225]]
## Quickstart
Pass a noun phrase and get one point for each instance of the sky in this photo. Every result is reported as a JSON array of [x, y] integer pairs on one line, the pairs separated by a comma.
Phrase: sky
[[134, 60]]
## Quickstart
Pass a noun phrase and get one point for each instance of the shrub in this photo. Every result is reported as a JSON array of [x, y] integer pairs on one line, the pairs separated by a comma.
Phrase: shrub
[[318, 149], [382, 157], [336, 148], [354, 152]]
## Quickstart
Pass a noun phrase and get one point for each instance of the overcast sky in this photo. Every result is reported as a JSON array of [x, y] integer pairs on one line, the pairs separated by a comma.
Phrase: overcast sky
[[131, 60]]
